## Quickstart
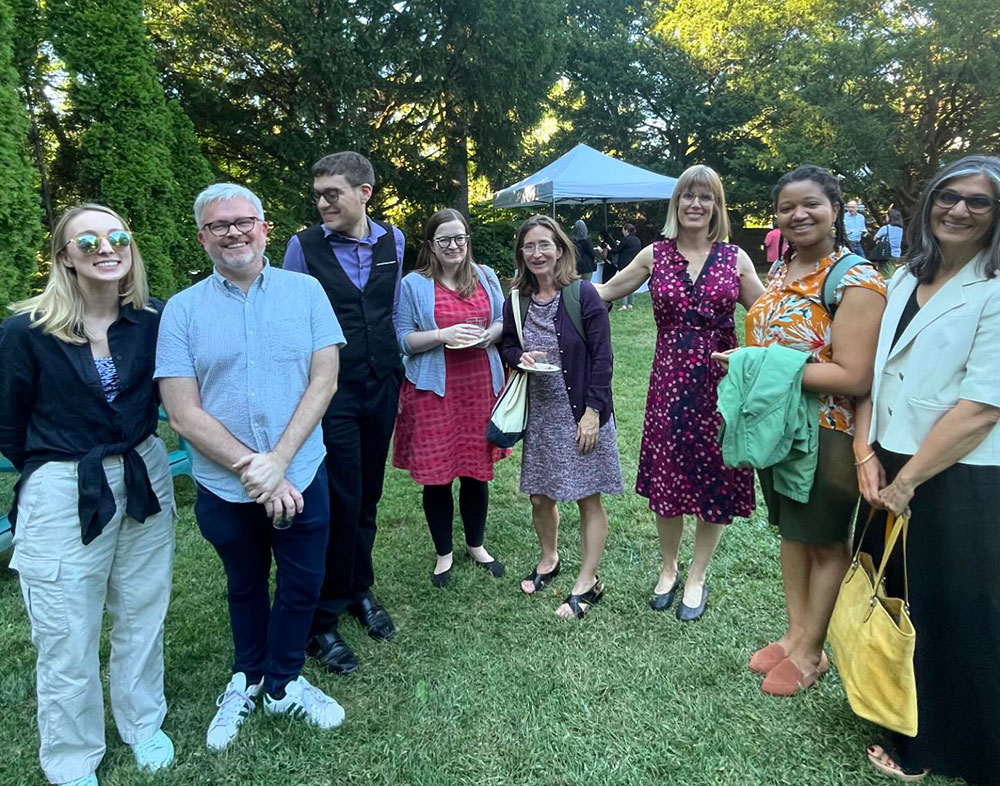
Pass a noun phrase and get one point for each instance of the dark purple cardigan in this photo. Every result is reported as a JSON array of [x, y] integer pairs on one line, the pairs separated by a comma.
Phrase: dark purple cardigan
[[586, 360]]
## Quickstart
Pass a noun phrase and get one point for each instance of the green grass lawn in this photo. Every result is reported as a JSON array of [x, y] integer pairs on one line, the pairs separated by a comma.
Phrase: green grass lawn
[[483, 685]]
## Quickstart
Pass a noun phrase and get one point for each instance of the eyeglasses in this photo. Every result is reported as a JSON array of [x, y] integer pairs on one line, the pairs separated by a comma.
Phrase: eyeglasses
[[541, 245], [702, 199], [445, 241], [331, 195], [243, 226], [90, 243], [975, 203]]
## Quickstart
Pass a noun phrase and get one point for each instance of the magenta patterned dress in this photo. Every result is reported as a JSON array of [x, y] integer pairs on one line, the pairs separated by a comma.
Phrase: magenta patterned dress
[[680, 463]]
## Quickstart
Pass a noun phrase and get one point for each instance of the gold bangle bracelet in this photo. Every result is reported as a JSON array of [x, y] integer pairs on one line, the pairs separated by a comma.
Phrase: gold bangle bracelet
[[866, 459]]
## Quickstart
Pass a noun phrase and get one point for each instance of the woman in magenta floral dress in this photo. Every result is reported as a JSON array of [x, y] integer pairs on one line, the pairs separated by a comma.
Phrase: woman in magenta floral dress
[[695, 279]]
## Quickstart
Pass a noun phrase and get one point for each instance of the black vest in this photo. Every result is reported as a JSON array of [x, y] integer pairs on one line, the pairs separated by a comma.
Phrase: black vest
[[365, 315]]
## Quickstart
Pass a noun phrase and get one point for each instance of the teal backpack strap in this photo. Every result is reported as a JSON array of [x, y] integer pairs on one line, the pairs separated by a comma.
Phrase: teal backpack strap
[[828, 294], [571, 302]]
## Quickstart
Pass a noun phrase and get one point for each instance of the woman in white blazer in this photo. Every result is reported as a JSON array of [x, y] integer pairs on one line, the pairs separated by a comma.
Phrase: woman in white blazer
[[927, 442]]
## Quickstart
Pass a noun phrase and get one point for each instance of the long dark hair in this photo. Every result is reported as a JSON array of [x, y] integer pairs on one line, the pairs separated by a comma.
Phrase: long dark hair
[[828, 184], [428, 264], [924, 258]]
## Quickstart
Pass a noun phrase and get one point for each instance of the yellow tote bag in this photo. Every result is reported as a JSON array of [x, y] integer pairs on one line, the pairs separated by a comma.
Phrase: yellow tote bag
[[873, 639]]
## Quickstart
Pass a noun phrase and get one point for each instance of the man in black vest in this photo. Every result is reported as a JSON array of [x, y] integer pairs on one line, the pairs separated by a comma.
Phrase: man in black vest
[[359, 262]]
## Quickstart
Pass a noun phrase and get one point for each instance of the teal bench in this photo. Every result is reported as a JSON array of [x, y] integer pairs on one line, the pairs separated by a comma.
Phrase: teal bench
[[180, 464]]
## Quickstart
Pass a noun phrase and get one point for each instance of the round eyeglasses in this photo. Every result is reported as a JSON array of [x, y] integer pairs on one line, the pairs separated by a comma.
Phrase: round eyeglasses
[[444, 241], [90, 242]]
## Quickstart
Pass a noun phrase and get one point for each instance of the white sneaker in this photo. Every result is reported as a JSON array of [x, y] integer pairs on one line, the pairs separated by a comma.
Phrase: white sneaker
[[306, 701], [235, 703]]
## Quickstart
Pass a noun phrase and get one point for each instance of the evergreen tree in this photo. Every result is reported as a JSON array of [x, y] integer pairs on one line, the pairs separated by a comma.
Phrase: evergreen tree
[[20, 216], [134, 152]]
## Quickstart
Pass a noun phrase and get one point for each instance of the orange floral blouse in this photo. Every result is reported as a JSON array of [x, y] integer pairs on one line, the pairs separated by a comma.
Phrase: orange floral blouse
[[792, 315]]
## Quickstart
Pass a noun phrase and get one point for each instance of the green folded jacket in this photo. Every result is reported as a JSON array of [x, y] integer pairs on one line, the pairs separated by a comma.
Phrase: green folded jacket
[[768, 420]]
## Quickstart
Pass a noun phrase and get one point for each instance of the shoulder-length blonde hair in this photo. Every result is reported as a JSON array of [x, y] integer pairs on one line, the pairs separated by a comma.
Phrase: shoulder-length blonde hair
[[58, 310], [701, 176], [430, 266], [524, 280]]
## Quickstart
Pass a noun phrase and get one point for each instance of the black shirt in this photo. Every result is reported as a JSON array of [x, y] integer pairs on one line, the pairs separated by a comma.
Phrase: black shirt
[[53, 407]]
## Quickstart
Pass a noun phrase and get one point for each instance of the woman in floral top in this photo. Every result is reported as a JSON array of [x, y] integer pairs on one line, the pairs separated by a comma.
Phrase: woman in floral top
[[815, 536]]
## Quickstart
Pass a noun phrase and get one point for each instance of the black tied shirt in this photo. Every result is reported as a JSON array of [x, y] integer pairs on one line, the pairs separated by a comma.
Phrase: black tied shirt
[[53, 407]]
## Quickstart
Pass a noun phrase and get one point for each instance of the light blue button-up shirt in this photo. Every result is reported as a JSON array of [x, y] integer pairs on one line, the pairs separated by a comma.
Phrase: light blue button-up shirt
[[854, 226], [251, 355]]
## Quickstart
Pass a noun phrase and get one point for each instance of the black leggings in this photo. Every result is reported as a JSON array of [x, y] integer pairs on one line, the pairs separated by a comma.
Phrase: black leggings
[[473, 501]]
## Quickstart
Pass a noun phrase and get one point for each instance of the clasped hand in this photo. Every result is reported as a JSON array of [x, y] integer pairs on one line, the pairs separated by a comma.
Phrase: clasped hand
[[263, 478], [462, 333]]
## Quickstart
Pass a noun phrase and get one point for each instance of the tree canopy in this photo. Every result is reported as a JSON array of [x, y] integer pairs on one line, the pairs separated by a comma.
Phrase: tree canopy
[[140, 104]]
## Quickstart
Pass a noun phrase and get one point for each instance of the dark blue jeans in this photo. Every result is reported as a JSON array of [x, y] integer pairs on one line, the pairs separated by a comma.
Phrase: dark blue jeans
[[269, 641]]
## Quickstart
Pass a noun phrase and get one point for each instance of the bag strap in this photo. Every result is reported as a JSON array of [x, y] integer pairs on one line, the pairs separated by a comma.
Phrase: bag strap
[[519, 312], [895, 526], [571, 301], [833, 277]]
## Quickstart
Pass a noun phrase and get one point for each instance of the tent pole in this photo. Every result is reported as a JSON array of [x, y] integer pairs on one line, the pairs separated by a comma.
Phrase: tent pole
[[553, 208], [606, 216]]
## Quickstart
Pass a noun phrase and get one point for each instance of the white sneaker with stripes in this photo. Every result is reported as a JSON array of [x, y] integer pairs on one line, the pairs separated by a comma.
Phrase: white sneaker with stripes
[[307, 702], [235, 704]]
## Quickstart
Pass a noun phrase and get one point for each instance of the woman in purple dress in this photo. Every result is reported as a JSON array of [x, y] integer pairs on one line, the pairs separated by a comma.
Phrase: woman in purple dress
[[695, 279]]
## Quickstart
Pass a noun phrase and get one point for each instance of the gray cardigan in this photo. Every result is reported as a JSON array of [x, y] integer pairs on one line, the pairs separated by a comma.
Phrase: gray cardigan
[[426, 370]]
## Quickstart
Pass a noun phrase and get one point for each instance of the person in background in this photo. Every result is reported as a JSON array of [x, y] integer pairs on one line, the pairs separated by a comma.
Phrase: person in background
[[570, 443], [855, 228], [696, 279], [585, 262], [449, 321], [772, 244], [627, 249], [247, 361], [94, 509], [359, 262], [815, 536], [927, 443], [894, 229]]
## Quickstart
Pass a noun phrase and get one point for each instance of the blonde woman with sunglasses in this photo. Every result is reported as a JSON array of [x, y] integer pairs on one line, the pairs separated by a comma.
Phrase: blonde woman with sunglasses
[[93, 509]]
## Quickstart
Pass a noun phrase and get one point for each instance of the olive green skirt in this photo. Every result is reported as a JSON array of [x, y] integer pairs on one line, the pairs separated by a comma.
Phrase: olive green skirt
[[828, 516]]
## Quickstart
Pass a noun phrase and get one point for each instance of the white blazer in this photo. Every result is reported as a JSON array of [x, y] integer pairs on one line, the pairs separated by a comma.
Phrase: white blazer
[[949, 351]]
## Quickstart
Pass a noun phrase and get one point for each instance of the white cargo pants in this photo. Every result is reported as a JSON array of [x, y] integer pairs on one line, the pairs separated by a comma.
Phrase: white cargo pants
[[66, 586]]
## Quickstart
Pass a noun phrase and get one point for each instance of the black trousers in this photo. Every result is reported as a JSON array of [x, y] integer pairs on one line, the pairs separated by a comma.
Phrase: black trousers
[[357, 429], [439, 508]]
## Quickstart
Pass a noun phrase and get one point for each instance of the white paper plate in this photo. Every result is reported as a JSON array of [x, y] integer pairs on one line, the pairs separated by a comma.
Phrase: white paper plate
[[539, 368], [462, 346]]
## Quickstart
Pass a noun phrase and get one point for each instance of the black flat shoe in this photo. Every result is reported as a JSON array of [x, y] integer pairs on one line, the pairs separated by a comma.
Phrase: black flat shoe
[[332, 652], [590, 597], [373, 618], [663, 601], [689, 614], [442, 579], [494, 567], [540, 580]]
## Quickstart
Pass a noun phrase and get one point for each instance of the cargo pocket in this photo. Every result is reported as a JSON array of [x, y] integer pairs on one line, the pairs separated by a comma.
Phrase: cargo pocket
[[43, 595]]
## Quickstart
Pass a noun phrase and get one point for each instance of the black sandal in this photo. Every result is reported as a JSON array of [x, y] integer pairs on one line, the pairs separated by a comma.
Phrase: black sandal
[[494, 567], [540, 580], [590, 597]]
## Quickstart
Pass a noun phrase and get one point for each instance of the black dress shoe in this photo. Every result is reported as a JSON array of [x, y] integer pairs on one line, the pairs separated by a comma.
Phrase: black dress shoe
[[663, 601], [442, 579], [332, 652], [689, 614], [374, 618], [494, 567]]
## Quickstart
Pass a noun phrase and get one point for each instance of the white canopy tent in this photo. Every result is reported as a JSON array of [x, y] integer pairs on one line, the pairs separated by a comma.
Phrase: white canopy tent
[[585, 176]]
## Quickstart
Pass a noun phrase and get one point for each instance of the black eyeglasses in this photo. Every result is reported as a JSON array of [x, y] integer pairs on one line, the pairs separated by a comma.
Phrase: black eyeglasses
[[445, 241], [243, 226], [975, 203], [331, 195]]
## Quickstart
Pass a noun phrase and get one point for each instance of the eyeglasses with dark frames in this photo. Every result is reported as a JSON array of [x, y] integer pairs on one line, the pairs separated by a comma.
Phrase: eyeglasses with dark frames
[[974, 203], [444, 241], [243, 226]]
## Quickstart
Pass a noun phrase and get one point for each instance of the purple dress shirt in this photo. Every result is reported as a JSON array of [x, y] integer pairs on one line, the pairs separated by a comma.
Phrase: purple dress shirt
[[354, 255]]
